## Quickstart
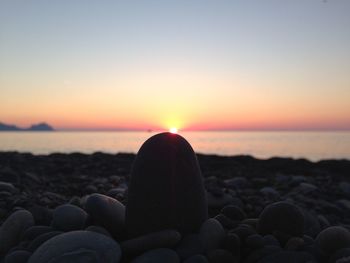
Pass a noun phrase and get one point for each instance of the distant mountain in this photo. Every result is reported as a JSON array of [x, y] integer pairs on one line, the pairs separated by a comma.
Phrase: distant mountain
[[35, 127], [40, 127], [6, 127]]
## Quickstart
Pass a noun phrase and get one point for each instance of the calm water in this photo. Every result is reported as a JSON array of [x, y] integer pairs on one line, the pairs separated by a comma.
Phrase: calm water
[[310, 145]]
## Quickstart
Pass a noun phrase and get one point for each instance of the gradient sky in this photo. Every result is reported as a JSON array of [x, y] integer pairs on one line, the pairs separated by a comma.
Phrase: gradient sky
[[192, 64]]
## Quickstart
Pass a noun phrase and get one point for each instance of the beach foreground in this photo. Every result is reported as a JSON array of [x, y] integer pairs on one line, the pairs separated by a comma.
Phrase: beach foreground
[[238, 189]]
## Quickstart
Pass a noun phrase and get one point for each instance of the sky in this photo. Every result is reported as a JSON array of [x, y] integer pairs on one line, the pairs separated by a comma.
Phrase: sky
[[190, 64]]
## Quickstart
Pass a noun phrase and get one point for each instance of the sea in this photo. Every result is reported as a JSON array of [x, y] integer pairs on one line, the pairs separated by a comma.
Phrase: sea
[[314, 146]]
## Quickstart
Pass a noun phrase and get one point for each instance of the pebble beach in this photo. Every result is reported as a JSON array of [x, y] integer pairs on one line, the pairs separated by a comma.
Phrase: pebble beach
[[91, 208]]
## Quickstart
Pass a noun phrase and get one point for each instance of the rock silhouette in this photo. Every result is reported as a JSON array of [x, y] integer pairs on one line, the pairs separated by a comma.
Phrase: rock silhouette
[[166, 190]]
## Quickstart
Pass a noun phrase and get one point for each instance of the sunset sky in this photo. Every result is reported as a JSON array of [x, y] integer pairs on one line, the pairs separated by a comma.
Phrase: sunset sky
[[190, 64]]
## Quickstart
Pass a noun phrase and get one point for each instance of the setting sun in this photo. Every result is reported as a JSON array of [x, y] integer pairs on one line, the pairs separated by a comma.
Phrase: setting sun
[[173, 130]]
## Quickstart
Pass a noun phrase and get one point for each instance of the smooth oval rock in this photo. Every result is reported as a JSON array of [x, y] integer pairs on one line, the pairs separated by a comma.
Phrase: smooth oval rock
[[161, 239], [211, 234], [13, 228], [107, 212], [166, 188], [160, 255], [281, 217], [332, 239], [78, 246], [68, 217]]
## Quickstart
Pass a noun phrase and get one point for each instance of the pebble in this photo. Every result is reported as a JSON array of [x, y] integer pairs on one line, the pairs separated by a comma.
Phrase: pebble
[[107, 212], [332, 239], [166, 189], [79, 247], [13, 228], [281, 217], [68, 218], [160, 255], [162, 239], [211, 234]]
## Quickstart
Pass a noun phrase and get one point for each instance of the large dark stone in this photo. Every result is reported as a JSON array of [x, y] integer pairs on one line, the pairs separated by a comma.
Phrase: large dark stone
[[282, 219], [78, 247], [332, 239], [13, 228], [166, 189], [107, 212], [68, 218]]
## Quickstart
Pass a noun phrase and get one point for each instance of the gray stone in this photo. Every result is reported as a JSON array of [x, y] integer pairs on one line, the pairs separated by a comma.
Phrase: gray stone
[[13, 228], [68, 217], [107, 212], [162, 239], [78, 247], [160, 255], [332, 239], [211, 234], [283, 218]]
